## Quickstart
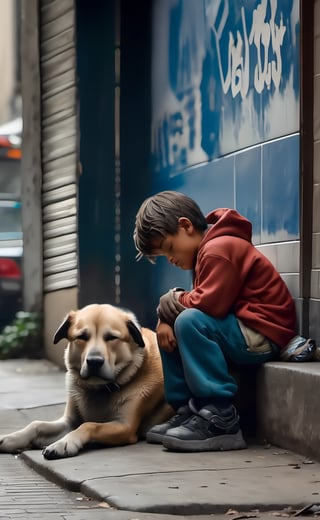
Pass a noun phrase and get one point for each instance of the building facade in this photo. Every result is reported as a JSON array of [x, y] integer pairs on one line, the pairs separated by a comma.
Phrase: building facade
[[214, 98]]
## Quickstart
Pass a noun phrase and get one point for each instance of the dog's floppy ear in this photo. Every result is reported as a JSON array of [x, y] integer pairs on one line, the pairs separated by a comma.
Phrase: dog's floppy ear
[[62, 331], [135, 333]]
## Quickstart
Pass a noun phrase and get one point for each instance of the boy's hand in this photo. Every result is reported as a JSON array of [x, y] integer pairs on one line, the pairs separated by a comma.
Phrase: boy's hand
[[169, 306], [165, 336]]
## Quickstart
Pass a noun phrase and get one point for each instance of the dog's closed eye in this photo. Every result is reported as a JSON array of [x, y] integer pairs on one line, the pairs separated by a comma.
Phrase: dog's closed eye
[[109, 337], [84, 336]]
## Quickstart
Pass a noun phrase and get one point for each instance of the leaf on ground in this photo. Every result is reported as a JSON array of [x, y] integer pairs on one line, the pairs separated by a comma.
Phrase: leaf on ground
[[104, 504]]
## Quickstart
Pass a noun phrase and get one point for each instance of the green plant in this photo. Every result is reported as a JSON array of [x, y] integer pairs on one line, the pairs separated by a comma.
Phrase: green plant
[[22, 337]]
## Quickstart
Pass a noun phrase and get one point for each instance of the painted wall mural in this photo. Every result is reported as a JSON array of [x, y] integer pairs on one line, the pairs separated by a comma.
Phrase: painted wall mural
[[225, 113], [225, 76]]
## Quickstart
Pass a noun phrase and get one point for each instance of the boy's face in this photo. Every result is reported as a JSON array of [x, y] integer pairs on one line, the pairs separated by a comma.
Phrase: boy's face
[[180, 249]]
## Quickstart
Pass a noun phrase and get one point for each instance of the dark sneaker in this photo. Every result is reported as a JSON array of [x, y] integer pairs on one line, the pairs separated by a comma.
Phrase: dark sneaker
[[299, 349], [210, 429], [156, 433]]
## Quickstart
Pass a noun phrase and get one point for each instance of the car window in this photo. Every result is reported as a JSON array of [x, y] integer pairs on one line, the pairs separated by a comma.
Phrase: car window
[[10, 219], [10, 178]]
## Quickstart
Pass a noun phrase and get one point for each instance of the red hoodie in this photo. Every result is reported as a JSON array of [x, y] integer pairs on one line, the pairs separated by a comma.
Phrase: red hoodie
[[231, 275]]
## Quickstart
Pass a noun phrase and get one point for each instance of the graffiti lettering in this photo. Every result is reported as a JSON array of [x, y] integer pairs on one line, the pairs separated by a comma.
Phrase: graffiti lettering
[[176, 135], [263, 33], [222, 67]]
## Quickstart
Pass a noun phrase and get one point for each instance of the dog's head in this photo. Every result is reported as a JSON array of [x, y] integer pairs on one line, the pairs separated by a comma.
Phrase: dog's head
[[105, 343]]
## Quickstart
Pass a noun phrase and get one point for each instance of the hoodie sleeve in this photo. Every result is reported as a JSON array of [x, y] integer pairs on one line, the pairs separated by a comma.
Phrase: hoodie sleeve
[[217, 284]]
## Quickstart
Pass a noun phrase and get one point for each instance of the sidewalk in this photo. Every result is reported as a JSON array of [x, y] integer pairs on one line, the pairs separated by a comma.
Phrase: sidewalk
[[144, 478]]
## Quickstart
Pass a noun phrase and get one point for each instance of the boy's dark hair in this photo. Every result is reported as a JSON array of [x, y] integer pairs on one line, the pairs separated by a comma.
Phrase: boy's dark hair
[[158, 216]]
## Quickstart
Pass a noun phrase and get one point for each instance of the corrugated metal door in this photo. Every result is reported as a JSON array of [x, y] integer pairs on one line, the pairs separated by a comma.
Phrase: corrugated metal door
[[59, 143]]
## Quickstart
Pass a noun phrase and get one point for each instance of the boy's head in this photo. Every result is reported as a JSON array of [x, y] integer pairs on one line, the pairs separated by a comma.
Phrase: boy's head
[[164, 215]]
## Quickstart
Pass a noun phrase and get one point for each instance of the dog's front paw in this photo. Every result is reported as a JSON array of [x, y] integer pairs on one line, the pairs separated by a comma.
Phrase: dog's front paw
[[68, 446], [13, 443]]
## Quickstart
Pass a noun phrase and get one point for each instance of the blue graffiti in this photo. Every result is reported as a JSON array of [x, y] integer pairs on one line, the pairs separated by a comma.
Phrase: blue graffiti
[[226, 59]]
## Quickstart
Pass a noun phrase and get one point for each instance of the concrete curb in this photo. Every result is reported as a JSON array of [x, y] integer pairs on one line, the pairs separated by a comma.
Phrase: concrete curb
[[146, 478]]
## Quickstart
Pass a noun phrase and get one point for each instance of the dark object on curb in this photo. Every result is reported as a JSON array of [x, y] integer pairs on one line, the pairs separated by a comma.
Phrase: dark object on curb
[[306, 350]]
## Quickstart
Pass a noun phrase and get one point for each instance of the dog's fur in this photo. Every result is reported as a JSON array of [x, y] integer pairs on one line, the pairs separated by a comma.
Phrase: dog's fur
[[114, 385]]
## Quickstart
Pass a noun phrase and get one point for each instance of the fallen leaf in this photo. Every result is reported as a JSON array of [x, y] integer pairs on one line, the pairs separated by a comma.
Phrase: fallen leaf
[[104, 504]]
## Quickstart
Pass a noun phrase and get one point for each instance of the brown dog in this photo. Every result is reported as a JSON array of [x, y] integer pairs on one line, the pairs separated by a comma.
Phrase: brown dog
[[114, 385]]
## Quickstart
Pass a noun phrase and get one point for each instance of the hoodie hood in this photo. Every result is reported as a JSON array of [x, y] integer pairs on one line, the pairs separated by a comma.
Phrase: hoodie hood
[[227, 222]]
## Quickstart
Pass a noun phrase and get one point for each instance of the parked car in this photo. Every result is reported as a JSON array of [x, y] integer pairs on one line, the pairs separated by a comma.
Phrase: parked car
[[11, 246], [11, 251]]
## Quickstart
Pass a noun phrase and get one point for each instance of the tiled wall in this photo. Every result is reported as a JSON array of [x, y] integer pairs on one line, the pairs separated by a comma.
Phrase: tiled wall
[[315, 273], [262, 182]]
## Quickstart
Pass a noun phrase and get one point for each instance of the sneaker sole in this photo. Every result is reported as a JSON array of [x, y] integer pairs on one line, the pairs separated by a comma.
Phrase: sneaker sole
[[219, 443], [154, 438]]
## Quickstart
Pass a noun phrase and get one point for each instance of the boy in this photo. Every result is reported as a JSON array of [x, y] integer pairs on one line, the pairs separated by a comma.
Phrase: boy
[[239, 309]]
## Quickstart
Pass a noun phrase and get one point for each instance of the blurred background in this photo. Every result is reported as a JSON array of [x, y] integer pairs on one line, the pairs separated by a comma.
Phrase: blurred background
[[11, 248]]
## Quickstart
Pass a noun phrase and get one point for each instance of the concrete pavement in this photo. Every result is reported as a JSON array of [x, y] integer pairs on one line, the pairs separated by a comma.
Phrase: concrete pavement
[[145, 481]]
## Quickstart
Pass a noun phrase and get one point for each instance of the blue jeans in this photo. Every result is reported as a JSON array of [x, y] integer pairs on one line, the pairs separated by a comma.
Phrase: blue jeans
[[198, 367]]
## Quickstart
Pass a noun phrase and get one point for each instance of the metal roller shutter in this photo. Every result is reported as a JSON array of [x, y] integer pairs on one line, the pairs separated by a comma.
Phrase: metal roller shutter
[[59, 123]]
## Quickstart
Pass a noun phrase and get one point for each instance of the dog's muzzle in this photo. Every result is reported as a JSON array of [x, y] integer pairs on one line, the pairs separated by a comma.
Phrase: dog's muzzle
[[95, 365]]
